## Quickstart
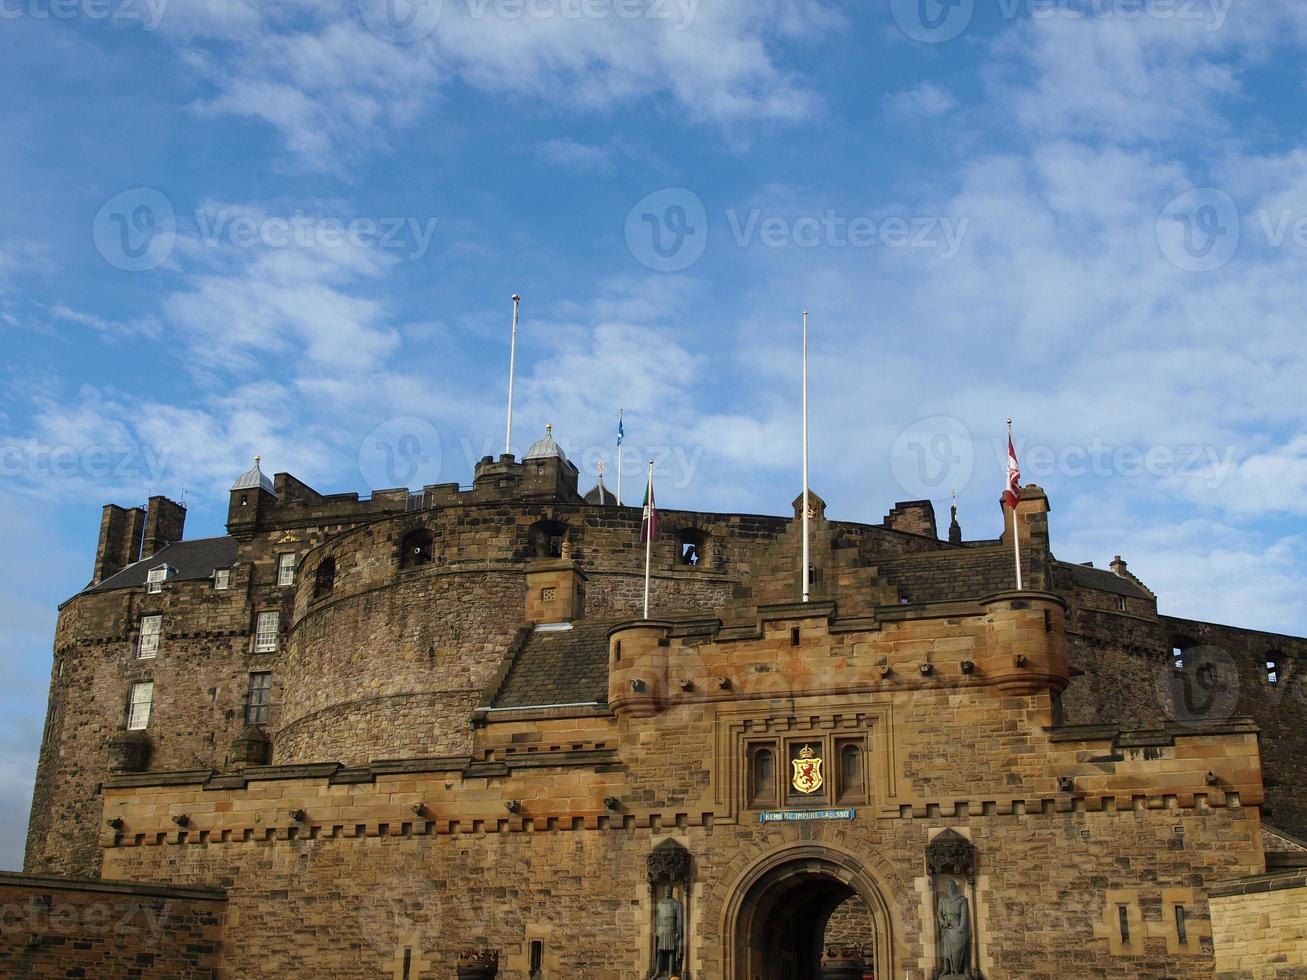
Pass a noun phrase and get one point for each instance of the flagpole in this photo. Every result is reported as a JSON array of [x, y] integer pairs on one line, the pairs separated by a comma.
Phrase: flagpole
[[804, 502], [620, 434], [648, 536], [512, 359], [1016, 543]]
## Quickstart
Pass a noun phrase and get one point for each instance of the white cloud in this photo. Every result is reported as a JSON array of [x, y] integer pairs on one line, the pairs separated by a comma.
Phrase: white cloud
[[146, 327], [329, 87], [580, 158], [926, 100]]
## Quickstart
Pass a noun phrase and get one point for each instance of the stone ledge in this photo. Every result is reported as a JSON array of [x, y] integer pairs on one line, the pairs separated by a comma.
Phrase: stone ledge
[[1279, 881], [1150, 738], [13, 879]]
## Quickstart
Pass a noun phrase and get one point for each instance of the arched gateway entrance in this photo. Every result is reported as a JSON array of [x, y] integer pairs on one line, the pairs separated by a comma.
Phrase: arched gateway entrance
[[778, 915]]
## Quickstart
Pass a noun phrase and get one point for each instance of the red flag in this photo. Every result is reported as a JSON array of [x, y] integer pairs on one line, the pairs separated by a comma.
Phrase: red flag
[[1012, 495]]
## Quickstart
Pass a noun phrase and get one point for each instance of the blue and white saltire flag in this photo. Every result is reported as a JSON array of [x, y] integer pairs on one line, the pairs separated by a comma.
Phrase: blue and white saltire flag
[[621, 432]]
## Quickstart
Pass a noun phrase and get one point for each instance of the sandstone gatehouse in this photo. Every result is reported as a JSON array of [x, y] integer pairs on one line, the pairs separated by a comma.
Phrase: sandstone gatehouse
[[431, 735]]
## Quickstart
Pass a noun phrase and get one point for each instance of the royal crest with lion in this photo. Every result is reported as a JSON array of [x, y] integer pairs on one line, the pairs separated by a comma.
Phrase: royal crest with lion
[[807, 777]]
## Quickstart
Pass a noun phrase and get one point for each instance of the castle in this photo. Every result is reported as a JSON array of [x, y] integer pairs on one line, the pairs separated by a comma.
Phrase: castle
[[432, 734]]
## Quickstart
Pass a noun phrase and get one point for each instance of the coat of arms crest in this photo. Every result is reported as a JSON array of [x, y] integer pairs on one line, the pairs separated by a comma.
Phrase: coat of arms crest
[[807, 771]]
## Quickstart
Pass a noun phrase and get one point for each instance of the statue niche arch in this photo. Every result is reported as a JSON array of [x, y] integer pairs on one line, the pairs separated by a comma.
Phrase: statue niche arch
[[775, 919]]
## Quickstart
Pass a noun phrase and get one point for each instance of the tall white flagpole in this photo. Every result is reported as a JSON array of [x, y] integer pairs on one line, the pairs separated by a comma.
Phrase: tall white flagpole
[[512, 362], [804, 502], [1016, 542], [648, 535]]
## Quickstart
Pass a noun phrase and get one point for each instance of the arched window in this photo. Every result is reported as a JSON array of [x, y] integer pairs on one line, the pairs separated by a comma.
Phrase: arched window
[[416, 548], [851, 784], [547, 539], [324, 579], [762, 777], [1274, 667], [691, 547]]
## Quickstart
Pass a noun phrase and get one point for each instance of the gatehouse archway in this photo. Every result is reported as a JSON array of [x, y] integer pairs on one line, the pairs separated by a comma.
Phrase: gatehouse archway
[[780, 911]]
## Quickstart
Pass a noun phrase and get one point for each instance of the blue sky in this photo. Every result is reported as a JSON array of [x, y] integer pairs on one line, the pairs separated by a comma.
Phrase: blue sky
[[293, 229]]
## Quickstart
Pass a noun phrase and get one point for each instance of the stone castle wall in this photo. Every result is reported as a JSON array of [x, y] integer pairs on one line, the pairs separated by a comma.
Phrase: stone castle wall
[[56, 928]]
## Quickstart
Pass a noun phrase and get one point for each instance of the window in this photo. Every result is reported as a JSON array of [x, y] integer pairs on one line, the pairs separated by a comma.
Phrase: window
[[256, 708], [139, 703], [1181, 927], [1177, 658], [416, 548], [155, 578], [148, 646], [1272, 669], [324, 579], [762, 777], [691, 547], [1120, 603], [1123, 917], [222, 578], [286, 569], [265, 633], [547, 539], [537, 958]]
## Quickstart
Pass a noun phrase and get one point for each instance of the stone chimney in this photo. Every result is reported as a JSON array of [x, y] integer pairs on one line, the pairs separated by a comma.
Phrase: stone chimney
[[120, 540], [1119, 567], [164, 521], [913, 517]]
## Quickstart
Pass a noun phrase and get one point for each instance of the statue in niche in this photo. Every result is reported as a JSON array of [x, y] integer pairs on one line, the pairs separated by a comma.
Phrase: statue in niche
[[669, 936], [953, 920]]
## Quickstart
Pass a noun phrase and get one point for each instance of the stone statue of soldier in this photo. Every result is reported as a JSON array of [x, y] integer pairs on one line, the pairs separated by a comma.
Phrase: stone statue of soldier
[[954, 919], [669, 936]]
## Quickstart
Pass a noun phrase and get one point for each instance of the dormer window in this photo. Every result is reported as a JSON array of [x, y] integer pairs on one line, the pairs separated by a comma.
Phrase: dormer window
[[221, 579], [155, 578], [286, 569]]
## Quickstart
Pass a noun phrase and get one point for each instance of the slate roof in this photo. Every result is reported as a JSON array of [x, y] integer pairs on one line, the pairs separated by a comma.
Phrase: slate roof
[[193, 560], [1102, 579], [563, 667], [254, 479], [600, 494]]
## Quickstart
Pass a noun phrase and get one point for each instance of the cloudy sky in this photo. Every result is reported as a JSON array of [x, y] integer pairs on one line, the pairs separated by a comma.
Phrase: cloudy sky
[[293, 229]]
